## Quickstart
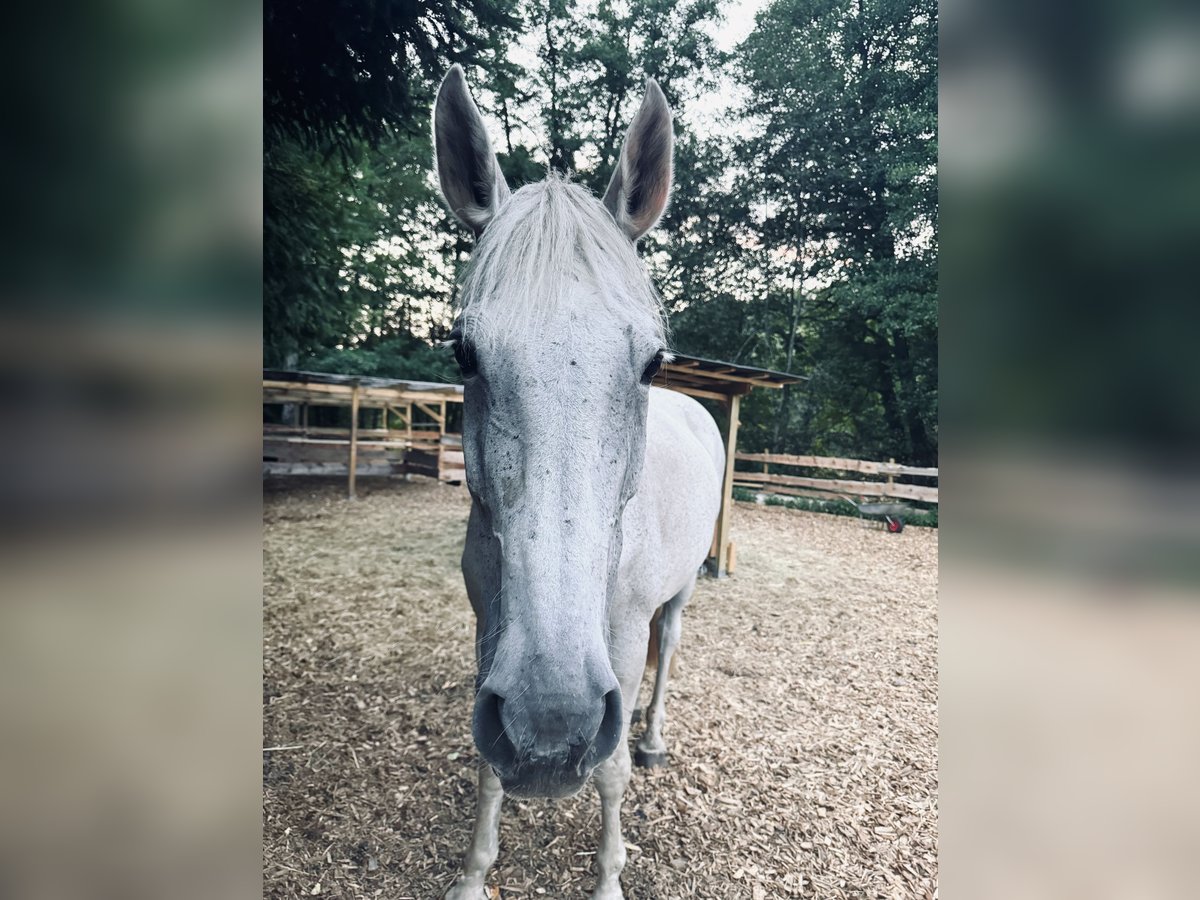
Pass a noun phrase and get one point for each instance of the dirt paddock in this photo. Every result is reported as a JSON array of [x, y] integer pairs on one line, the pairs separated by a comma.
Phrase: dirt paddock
[[802, 723]]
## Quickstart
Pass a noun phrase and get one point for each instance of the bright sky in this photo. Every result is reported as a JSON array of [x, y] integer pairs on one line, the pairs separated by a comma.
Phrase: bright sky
[[704, 115], [708, 112]]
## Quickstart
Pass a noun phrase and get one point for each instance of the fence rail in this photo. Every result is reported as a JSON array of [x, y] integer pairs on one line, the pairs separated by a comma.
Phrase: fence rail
[[425, 452], [809, 485]]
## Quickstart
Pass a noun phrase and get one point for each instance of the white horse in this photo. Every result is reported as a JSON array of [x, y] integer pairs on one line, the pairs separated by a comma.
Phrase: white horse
[[594, 495]]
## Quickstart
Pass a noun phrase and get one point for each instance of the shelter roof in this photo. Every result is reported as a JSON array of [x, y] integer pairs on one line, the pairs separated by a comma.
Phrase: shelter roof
[[689, 374], [299, 377], [285, 386], [705, 377]]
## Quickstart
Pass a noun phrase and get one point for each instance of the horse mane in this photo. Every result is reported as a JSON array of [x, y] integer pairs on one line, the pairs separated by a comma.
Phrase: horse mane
[[553, 242]]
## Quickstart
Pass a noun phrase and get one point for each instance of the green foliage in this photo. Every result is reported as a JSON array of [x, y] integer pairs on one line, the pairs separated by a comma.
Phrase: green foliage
[[356, 244], [400, 356], [308, 224], [339, 72], [801, 237], [352, 257], [844, 164]]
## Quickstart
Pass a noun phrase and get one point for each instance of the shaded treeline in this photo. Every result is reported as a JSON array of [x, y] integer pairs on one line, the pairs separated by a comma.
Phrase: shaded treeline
[[802, 233]]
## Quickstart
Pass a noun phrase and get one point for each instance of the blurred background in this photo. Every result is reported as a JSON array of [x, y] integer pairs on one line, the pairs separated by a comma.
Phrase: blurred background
[[135, 258], [130, 298], [1070, 214]]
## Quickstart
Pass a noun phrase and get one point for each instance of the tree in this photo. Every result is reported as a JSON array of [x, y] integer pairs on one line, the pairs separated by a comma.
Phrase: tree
[[802, 236], [339, 72], [845, 91], [347, 89]]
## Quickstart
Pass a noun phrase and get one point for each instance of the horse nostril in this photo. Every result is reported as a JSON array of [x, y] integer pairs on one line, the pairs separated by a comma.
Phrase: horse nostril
[[609, 733], [491, 737]]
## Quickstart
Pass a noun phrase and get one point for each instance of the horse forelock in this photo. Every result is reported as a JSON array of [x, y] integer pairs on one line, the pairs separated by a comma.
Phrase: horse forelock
[[553, 242]]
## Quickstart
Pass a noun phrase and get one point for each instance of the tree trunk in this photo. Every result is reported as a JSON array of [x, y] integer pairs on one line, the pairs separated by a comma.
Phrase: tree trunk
[[797, 298], [291, 411], [923, 453], [892, 414], [506, 123], [558, 151], [785, 394]]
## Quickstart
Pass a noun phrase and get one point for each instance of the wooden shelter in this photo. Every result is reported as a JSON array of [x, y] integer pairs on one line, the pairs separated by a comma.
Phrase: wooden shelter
[[404, 433], [407, 433]]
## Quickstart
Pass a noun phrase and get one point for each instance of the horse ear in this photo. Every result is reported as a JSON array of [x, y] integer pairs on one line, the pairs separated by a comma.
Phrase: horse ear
[[470, 176], [641, 182]]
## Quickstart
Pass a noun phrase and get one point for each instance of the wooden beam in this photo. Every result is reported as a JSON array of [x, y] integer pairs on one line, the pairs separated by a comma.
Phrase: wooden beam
[[719, 375], [849, 488], [346, 391], [693, 391], [695, 378], [867, 467], [353, 439], [709, 389], [432, 413], [675, 378], [333, 435], [395, 411], [923, 471], [726, 514], [332, 400], [279, 396], [363, 442], [441, 449]]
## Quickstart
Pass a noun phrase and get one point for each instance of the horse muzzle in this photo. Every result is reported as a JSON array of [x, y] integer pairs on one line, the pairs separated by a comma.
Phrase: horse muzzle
[[546, 745]]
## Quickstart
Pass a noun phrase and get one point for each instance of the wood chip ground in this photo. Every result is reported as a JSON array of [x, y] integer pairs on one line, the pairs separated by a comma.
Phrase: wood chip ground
[[802, 723]]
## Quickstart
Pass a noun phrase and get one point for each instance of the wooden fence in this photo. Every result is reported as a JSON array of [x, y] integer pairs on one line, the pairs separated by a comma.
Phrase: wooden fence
[[814, 481], [325, 451], [396, 427]]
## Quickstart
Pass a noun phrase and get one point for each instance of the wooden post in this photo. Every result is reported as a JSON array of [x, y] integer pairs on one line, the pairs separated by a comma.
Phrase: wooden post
[[723, 520], [441, 450], [353, 439], [304, 419], [892, 462]]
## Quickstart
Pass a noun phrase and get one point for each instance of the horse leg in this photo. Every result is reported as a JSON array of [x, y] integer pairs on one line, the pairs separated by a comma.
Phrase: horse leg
[[485, 841], [651, 660], [652, 749], [611, 778]]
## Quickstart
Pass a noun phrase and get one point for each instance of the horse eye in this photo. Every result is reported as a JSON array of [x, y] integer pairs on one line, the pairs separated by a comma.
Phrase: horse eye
[[464, 355], [652, 369]]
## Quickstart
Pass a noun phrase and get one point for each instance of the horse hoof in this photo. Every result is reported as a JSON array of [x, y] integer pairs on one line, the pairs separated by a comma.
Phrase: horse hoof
[[650, 759], [636, 717]]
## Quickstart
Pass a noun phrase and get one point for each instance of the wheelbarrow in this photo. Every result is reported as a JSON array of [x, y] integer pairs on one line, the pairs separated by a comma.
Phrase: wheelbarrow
[[892, 513]]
